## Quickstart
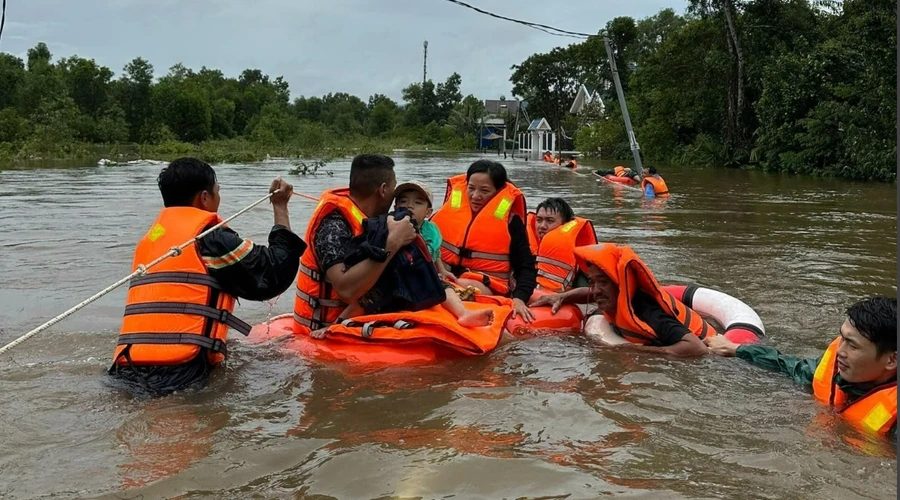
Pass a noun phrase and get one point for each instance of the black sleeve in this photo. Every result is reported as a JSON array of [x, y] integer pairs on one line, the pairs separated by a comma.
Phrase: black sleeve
[[521, 260], [332, 240], [250, 271], [668, 329]]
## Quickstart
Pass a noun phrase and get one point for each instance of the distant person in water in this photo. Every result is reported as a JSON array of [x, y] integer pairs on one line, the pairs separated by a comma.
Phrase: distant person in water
[[571, 163], [653, 185], [857, 373], [619, 171]]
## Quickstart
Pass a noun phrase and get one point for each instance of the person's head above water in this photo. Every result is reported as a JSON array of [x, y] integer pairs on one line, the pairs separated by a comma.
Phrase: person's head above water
[[868, 353], [189, 182], [484, 179], [372, 183], [417, 198], [600, 262], [550, 214], [649, 171]]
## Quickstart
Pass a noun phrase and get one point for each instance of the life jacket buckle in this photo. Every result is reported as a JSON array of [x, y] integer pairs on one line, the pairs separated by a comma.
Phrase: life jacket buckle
[[465, 253]]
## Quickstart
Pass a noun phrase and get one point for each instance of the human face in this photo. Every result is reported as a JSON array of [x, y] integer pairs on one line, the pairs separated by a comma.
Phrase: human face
[[604, 291], [209, 200], [858, 360], [480, 190], [545, 221], [385, 195], [415, 202]]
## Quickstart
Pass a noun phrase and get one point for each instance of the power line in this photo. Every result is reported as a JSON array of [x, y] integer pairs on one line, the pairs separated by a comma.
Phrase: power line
[[3, 19], [540, 27]]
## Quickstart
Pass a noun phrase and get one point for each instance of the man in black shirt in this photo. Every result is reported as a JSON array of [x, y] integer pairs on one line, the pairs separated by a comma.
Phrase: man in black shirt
[[152, 331]]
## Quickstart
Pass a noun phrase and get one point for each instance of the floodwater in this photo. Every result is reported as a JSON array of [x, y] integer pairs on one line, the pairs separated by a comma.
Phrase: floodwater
[[548, 417]]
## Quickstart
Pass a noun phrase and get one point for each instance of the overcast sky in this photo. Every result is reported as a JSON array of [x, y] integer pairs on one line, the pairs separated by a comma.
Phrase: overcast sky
[[357, 46]]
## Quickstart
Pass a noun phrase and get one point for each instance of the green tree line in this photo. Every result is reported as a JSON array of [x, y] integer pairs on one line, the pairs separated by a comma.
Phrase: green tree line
[[49, 108], [784, 85]]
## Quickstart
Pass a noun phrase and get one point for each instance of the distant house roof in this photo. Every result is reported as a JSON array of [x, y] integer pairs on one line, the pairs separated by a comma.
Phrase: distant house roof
[[584, 97], [492, 106], [539, 124]]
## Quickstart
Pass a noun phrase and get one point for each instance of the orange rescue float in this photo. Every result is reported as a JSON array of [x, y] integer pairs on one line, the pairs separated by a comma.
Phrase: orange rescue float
[[415, 338]]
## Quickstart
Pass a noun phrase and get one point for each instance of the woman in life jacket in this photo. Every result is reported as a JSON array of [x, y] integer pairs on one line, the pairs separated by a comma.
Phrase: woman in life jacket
[[485, 242], [856, 376]]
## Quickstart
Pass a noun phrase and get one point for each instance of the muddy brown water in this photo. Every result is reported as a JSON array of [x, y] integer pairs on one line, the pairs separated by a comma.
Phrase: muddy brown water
[[549, 417]]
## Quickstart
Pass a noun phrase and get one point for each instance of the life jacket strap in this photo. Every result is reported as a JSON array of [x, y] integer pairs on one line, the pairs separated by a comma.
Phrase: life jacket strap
[[316, 303], [466, 253], [312, 324], [219, 315], [312, 273], [553, 262], [214, 345], [175, 277], [368, 328]]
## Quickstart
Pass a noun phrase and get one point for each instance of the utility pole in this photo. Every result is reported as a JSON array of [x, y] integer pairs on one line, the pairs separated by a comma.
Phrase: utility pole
[[635, 148], [425, 63]]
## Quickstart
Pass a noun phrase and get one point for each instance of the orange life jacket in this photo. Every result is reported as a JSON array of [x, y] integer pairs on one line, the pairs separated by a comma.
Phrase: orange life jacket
[[875, 411], [176, 308], [433, 325], [659, 185], [479, 242], [556, 266], [548, 158], [317, 305], [619, 171], [630, 273]]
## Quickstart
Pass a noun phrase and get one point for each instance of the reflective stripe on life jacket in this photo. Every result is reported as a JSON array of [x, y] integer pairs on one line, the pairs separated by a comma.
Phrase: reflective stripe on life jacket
[[630, 273], [435, 324], [659, 185], [556, 266], [316, 304], [175, 309], [875, 411], [479, 242]]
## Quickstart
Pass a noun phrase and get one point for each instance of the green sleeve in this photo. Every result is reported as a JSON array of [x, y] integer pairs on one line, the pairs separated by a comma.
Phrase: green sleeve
[[801, 370]]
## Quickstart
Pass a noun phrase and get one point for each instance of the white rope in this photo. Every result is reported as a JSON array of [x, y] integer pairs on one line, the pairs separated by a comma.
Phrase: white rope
[[140, 271]]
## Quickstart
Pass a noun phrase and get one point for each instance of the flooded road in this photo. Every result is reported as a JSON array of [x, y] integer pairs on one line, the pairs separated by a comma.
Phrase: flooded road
[[539, 418]]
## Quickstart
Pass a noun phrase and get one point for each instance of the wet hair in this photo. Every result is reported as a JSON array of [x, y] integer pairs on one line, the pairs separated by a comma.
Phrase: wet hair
[[368, 172], [559, 206], [652, 170], [495, 171], [876, 320], [183, 179]]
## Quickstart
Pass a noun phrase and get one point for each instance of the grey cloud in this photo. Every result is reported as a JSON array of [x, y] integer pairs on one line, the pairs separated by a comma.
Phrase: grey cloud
[[356, 46]]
